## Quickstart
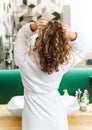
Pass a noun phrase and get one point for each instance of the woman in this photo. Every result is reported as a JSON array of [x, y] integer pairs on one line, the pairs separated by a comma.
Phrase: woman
[[42, 68]]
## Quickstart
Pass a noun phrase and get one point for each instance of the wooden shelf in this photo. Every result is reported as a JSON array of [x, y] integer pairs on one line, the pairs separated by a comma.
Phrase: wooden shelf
[[8, 121], [81, 120], [77, 121]]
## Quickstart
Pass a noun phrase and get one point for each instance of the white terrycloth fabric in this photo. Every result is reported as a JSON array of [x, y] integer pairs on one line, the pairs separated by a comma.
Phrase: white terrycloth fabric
[[43, 108]]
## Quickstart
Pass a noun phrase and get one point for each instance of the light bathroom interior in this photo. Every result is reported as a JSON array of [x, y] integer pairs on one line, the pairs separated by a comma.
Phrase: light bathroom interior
[[76, 85]]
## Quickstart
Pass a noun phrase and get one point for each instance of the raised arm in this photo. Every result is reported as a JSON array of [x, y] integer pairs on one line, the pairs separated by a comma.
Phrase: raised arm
[[78, 46], [21, 46]]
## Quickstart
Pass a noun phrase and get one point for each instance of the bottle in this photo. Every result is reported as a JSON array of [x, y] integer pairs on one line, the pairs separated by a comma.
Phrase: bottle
[[65, 92], [85, 97]]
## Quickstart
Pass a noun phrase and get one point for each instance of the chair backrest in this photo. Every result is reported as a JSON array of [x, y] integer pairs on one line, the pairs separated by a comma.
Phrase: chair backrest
[[77, 78], [10, 85]]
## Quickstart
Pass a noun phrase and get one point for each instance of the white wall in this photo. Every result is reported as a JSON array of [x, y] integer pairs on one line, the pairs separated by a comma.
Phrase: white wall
[[81, 19]]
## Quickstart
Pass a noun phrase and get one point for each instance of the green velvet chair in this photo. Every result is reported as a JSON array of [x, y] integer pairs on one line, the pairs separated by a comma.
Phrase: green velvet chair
[[11, 84], [77, 78]]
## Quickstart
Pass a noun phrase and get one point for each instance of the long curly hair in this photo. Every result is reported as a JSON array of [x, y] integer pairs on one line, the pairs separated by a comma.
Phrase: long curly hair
[[53, 47]]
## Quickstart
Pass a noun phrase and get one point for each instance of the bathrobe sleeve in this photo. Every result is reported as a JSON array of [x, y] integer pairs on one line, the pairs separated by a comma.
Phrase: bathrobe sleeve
[[21, 48], [78, 52]]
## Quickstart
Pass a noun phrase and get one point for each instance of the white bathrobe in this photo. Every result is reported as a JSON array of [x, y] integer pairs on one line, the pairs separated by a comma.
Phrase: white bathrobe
[[43, 107]]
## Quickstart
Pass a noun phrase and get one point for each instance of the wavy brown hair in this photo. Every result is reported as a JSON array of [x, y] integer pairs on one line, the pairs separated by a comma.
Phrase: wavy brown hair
[[53, 47]]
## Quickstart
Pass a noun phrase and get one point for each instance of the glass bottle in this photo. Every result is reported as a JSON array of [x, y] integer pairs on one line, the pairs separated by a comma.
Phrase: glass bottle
[[85, 97]]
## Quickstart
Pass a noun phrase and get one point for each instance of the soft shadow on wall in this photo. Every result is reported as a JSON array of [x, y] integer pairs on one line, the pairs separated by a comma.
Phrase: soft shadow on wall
[[86, 62]]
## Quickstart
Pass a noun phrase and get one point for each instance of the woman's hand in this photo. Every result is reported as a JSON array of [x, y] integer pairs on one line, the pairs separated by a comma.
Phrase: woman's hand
[[39, 25], [70, 34]]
